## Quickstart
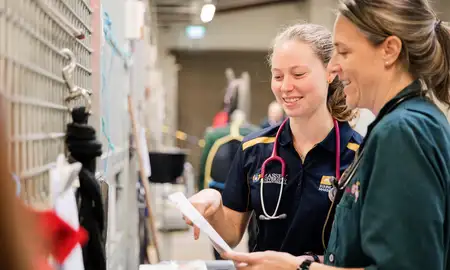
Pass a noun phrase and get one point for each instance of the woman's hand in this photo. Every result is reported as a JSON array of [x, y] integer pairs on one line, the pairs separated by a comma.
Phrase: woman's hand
[[207, 202], [264, 260]]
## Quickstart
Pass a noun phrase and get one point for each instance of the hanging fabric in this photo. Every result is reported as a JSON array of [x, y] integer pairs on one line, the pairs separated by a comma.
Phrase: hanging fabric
[[62, 179], [56, 238], [59, 238], [84, 147]]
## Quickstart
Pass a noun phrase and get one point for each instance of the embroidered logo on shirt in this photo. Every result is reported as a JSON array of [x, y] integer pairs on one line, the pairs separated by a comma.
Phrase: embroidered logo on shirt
[[269, 178], [326, 183], [256, 177]]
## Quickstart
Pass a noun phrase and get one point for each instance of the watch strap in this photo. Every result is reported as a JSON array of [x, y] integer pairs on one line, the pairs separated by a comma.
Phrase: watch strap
[[315, 257], [305, 265]]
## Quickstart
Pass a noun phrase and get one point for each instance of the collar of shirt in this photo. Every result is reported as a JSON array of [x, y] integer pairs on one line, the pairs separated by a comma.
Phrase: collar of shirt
[[329, 143], [414, 87]]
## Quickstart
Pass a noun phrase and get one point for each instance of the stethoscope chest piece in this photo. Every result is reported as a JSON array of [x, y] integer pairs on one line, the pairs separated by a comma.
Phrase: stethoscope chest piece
[[340, 184], [332, 194]]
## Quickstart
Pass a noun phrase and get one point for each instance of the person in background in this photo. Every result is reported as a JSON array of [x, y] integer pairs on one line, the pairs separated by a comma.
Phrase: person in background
[[394, 59], [229, 105], [316, 144], [221, 144], [275, 115]]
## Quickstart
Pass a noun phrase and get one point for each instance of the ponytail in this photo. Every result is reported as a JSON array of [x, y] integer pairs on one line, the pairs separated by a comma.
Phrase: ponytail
[[337, 104], [438, 79]]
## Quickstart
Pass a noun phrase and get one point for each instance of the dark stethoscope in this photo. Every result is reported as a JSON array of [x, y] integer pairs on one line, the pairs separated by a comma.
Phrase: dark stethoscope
[[340, 184], [276, 158], [336, 193]]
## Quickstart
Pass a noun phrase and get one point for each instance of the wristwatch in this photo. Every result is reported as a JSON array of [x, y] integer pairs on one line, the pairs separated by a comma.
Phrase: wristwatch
[[315, 257], [305, 265]]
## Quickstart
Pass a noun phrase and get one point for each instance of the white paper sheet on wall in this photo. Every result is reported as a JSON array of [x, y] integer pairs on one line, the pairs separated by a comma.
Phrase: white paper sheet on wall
[[188, 210]]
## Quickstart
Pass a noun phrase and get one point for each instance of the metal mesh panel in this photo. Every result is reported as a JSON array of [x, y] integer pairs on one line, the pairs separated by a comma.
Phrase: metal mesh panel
[[32, 34]]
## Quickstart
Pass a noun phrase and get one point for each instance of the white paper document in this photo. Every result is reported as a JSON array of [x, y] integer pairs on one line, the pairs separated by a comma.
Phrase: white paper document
[[188, 210]]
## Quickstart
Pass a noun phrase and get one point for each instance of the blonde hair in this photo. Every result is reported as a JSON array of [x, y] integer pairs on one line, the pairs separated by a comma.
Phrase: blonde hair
[[425, 40], [320, 40]]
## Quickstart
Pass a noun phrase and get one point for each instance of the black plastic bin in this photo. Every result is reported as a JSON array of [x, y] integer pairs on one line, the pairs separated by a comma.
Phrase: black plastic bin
[[166, 166]]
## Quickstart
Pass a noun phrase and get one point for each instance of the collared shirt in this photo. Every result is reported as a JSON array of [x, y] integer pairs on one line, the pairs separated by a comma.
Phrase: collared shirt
[[304, 199], [395, 211]]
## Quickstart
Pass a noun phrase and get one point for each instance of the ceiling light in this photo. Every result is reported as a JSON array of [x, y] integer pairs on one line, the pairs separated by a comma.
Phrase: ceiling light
[[207, 13]]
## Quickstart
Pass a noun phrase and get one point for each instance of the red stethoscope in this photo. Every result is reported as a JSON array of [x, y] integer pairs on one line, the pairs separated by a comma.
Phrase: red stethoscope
[[276, 158]]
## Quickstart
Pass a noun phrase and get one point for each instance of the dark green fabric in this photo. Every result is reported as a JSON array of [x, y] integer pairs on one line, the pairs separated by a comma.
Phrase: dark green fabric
[[394, 212], [211, 136]]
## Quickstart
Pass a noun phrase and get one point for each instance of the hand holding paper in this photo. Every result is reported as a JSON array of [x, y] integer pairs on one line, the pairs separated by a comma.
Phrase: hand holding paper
[[207, 202], [188, 210]]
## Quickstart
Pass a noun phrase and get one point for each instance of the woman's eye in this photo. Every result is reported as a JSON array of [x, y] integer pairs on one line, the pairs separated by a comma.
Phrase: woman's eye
[[277, 77], [299, 74]]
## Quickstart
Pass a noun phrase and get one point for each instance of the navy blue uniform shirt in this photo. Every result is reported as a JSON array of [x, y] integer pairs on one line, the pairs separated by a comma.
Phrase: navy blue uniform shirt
[[305, 192]]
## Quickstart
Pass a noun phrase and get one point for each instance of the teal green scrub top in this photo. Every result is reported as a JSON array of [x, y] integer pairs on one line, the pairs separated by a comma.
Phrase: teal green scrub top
[[395, 211]]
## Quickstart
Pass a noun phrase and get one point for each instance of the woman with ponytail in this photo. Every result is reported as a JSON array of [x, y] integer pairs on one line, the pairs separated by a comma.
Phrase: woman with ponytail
[[393, 58]]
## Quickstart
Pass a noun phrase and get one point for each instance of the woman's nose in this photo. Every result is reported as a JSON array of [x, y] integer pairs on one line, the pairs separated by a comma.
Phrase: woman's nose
[[288, 84]]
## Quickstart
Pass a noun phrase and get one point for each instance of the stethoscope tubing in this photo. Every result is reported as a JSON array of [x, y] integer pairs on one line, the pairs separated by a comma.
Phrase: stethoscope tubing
[[275, 157]]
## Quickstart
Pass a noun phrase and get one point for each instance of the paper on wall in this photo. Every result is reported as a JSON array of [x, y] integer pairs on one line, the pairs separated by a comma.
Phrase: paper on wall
[[188, 210]]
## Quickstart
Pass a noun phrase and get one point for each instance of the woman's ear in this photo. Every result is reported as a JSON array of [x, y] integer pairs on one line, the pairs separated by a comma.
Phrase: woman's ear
[[391, 49]]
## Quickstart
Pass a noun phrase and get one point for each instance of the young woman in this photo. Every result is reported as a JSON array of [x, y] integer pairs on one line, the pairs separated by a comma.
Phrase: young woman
[[392, 57], [289, 196]]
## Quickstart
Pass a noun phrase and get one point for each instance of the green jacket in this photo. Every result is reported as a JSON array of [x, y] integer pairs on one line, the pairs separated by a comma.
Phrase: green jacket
[[214, 140], [395, 211]]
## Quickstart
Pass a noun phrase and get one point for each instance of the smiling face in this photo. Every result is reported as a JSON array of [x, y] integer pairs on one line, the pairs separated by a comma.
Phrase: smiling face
[[352, 52], [299, 79]]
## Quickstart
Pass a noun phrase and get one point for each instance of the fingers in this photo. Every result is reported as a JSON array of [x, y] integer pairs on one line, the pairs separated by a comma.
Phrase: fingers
[[243, 266], [234, 256], [188, 221], [209, 211], [196, 229], [196, 232], [247, 258]]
